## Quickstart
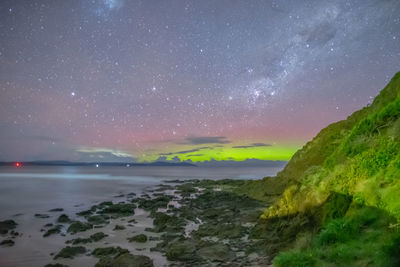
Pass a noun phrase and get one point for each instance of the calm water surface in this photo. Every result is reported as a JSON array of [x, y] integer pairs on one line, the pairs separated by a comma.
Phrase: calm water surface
[[26, 191]]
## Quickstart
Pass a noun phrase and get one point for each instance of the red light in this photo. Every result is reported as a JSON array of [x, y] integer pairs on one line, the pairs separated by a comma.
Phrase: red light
[[18, 164]]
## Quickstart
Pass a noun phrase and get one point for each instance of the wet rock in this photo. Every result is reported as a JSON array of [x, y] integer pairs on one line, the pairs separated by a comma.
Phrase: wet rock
[[93, 238], [163, 222], [7, 243], [186, 189], [77, 226], [216, 252], [132, 221], [119, 210], [155, 203], [55, 265], [63, 218], [55, 230], [56, 210], [119, 227], [98, 219], [109, 251], [70, 252], [7, 225], [125, 260], [42, 216], [142, 238], [154, 238], [98, 236], [181, 251]]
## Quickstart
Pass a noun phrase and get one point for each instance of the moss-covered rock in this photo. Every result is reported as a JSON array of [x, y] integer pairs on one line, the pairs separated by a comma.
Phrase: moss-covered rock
[[7, 225], [98, 236], [216, 252], [109, 251], [119, 210], [142, 238], [98, 219], [125, 260], [164, 222], [118, 227], [93, 238], [155, 203], [63, 218], [78, 226], [181, 250], [52, 231], [70, 252]]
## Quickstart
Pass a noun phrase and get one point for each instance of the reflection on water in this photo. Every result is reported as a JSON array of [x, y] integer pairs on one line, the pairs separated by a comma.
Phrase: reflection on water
[[29, 190]]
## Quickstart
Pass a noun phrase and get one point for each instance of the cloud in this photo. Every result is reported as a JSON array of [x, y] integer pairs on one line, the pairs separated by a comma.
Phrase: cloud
[[102, 152], [253, 145], [200, 140], [183, 151]]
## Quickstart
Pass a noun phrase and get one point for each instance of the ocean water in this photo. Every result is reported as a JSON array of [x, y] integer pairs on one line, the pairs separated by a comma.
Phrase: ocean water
[[42, 188], [26, 191]]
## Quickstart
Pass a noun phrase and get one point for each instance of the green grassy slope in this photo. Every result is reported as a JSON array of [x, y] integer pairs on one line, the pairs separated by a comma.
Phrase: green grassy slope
[[345, 185]]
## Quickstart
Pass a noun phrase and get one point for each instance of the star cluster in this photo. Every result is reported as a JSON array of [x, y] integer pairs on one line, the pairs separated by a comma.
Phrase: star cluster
[[118, 79]]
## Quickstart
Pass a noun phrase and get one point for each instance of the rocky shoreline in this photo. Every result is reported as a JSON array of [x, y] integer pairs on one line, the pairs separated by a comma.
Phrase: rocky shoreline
[[191, 223]]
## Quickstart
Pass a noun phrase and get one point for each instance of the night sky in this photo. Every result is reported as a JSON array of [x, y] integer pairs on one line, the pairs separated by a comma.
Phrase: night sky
[[115, 80]]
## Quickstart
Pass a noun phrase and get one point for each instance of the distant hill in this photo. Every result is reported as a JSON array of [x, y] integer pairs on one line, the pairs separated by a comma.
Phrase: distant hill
[[123, 164], [243, 163], [337, 201]]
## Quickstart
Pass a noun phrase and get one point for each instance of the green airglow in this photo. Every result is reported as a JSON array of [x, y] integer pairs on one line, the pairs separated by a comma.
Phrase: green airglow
[[282, 152]]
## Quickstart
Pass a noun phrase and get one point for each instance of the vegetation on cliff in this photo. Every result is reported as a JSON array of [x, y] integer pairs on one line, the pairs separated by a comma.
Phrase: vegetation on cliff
[[339, 196]]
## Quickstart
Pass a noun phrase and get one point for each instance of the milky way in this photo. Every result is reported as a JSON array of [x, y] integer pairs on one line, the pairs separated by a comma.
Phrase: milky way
[[138, 80]]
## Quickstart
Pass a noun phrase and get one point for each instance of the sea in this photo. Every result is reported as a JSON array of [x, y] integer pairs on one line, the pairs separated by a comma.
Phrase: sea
[[29, 190]]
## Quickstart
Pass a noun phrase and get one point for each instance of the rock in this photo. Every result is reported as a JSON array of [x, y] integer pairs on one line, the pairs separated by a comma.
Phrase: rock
[[7, 225], [98, 219], [77, 226], [163, 222], [70, 252], [55, 230], [7, 243], [216, 252], [142, 238], [93, 238], [56, 210], [14, 233], [125, 260], [98, 236], [109, 251], [42, 216], [181, 251], [63, 219], [55, 265], [119, 210], [155, 203], [119, 227]]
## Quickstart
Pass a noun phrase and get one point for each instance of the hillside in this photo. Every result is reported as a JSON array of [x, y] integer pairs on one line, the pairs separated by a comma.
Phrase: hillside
[[337, 201]]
